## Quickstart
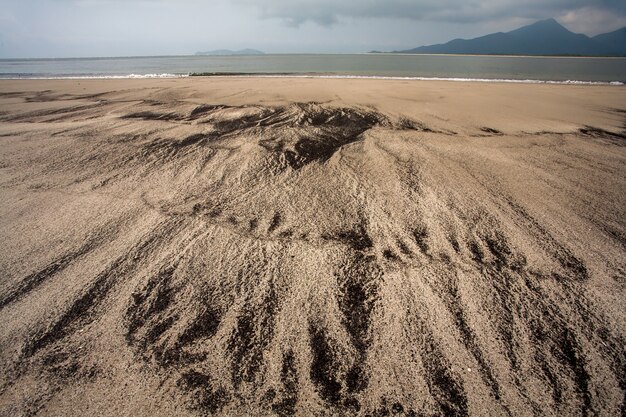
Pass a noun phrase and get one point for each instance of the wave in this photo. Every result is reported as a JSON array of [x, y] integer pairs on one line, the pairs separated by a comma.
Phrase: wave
[[88, 77], [454, 79], [321, 76]]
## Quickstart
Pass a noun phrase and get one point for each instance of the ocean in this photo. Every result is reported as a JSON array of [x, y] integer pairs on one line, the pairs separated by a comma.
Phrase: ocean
[[445, 67]]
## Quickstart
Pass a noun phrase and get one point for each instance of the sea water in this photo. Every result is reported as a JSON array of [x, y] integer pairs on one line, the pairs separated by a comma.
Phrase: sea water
[[438, 67]]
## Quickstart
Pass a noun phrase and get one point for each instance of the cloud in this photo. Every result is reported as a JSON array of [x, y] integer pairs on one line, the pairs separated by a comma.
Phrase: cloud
[[329, 12], [592, 21], [53, 28]]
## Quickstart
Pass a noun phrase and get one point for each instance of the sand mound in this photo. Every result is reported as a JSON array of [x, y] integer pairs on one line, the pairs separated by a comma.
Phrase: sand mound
[[168, 256]]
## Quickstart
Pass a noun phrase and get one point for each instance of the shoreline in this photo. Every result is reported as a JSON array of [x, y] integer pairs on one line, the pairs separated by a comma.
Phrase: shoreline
[[310, 54], [315, 76]]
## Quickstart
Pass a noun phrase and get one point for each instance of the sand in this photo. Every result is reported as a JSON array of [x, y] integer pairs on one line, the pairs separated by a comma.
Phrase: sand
[[253, 247]]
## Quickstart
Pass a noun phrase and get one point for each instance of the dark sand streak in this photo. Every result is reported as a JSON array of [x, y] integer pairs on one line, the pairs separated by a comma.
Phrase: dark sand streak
[[306, 258]]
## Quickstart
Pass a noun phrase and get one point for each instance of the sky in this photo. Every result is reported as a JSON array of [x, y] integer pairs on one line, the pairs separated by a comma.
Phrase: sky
[[86, 28]]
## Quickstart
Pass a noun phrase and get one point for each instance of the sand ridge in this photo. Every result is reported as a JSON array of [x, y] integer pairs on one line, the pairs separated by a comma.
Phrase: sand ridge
[[311, 247]]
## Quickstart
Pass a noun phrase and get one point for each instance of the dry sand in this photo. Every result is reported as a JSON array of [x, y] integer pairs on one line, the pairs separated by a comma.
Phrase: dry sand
[[248, 247]]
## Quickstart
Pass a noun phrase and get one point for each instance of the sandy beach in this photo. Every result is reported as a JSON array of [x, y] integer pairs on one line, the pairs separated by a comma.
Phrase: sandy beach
[[311, 247]]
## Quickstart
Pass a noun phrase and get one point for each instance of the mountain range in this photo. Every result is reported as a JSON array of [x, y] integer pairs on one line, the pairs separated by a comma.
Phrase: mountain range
[[546, 37]]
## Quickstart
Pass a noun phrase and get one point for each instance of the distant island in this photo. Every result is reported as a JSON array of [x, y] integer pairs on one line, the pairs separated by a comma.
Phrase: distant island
[[228, 52], [543, 38]]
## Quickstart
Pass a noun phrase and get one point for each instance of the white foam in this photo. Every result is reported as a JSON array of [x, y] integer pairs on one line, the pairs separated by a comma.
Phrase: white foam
[[96, 77], [453, 79], [323, 76]]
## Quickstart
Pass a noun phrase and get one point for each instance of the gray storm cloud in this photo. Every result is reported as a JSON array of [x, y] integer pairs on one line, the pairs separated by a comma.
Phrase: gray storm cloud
[[327, 12], [60, 28]]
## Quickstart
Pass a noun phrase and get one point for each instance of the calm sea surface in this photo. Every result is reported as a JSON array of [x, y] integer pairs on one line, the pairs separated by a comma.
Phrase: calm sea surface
[[605, 70]]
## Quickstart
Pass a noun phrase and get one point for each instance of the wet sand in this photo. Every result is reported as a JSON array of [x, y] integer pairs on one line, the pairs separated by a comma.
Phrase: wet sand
[[253, 247]]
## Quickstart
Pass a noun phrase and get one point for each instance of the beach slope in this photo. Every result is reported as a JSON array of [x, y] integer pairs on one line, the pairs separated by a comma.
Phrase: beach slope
[[277, 246]]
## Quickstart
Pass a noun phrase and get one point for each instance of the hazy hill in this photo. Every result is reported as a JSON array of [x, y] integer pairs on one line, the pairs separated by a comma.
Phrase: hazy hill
[[228, 52], [615, 42], [546, 37]]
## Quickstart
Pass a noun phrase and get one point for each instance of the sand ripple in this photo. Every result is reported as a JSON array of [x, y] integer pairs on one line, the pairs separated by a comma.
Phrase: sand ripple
[[306, 259]]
